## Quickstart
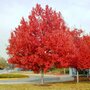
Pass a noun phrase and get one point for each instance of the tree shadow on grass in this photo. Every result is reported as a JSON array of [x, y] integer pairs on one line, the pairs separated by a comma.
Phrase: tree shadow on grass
[[75, 82], [45, 84]]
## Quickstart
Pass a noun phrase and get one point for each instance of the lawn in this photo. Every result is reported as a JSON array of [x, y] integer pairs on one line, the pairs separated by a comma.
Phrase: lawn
[[53, 86], [13, 75], [83, 85]]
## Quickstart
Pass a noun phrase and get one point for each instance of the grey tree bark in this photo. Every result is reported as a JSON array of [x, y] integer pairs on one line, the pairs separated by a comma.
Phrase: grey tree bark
[[77, 76], [42, 77]]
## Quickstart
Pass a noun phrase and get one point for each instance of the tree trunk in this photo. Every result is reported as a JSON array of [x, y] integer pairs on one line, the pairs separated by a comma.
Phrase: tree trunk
[[87, 73], [77, 76], [42, 77]]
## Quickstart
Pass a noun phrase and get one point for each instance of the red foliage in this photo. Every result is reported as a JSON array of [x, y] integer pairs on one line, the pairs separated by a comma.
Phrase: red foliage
[[29, 44], [45, 41], [76, 34], [60, 42], [82, 55]]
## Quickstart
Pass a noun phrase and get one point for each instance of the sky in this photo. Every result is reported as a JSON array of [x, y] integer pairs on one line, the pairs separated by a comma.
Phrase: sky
[[76, 13]]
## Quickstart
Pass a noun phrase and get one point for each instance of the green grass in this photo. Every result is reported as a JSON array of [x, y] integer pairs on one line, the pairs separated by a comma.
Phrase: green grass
[[23, 72], [53, 86], [12, 75], [84, 85]]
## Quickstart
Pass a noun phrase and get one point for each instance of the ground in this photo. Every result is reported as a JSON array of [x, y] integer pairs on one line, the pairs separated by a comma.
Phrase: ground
[[84, 84], [54, 86]]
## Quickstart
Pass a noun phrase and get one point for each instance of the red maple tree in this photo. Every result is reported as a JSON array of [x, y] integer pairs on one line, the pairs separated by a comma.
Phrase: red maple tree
[[82, 43], [29, 45], [76, 34], [44, 41], [81, 60], [84, 53]]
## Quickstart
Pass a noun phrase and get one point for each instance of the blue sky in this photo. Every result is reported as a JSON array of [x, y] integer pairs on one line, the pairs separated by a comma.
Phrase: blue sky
[[76, 13]]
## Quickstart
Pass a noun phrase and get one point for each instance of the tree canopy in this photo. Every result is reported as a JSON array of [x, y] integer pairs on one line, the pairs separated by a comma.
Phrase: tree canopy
[[44, 41]]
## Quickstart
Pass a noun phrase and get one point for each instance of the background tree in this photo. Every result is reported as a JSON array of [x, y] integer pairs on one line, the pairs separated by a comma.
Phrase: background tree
[[3, 63], [81, 61], [77, 35]]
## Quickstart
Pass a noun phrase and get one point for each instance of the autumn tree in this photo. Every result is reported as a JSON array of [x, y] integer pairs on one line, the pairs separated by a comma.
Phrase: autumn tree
[[84, 55], [77, 35], [3, 63], [30, 45], [81, 61]]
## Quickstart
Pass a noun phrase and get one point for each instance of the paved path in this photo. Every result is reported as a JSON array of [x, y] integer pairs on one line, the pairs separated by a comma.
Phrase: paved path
[[6, 71], [35, 78]]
